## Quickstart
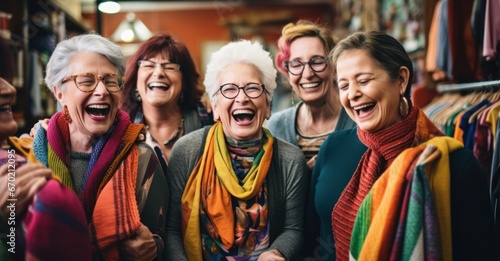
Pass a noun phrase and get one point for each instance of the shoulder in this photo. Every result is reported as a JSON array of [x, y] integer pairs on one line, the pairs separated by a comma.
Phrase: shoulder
[[191, 138], [348, 138], [188, 145], [283, 116], [288, 152]]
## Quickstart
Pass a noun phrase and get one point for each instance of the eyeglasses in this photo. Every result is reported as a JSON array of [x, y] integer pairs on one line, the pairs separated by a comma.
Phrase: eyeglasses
[[252, 90], [150, 65], [87, 82], [317, 64]]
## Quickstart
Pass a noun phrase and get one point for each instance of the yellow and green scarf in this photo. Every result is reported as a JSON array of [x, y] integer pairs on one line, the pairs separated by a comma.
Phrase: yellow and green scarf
[[211, 186]]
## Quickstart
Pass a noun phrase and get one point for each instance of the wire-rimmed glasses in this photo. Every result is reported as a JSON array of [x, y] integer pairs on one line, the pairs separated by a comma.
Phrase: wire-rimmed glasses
[[87, 82], [252, 90], [317, 64]]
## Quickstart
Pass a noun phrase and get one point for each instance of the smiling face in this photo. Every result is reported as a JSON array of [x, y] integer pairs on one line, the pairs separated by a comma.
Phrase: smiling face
[[309, 86], [8, 126], [156, 86], [241, 117], [369, 95], [92, 113]]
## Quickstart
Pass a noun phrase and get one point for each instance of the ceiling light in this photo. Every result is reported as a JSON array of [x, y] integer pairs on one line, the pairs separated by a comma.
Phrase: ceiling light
[[109, 7], [130, 30]]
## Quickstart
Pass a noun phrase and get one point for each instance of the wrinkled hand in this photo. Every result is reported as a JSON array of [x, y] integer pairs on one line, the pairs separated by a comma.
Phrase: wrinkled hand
[[271, 255], [29, 179], [141, 247], [311, 162], [43, 123]]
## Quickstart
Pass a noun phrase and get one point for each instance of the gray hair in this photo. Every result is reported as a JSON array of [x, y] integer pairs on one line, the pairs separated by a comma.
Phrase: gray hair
[[58, 65], [242, 51]]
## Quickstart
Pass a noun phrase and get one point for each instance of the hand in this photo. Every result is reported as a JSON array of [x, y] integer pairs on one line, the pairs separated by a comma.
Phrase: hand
[[271, 255], [43, 123], [311, 162], [29, 179], [142, 246]]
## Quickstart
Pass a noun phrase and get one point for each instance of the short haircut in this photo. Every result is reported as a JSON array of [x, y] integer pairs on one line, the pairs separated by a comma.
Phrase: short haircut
[[302, 28], [58, 65], [242, 51]]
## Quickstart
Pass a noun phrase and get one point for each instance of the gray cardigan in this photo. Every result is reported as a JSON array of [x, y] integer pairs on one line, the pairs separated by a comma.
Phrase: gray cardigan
[[286, 187], [282, 124]]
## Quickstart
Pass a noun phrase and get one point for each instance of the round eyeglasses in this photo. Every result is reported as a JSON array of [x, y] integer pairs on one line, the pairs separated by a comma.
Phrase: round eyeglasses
[[252, 90], [150, 65], [87, 82], [317, 64]]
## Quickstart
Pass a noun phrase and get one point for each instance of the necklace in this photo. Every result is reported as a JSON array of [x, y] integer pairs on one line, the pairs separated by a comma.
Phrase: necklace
[[174, 137]]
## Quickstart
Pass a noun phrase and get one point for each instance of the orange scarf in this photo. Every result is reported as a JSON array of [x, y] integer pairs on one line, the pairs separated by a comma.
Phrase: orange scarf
[[213, 183], [383, 147]]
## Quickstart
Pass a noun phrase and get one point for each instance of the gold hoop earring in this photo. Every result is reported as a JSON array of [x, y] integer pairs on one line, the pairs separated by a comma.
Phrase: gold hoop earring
[[404, 107], [66, 115]]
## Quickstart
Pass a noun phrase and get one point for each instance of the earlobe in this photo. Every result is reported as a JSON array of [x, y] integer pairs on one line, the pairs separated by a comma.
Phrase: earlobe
[[215, 111]]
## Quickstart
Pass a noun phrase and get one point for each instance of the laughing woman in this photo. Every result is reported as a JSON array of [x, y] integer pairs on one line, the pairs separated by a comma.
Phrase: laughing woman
[[95, 150], [237, 192], [162, 91]]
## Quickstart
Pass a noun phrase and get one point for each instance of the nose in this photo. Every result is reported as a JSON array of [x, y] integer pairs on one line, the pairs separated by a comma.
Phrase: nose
[[101, 88], [158, 71], [352, 91], [242, 96], [307, 72], [6, 88]]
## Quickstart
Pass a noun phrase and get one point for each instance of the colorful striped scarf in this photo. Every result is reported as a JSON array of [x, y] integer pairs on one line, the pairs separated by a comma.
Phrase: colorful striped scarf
[[213, 183], [54, 215], [383, 147], [109, 194], [407, 215]]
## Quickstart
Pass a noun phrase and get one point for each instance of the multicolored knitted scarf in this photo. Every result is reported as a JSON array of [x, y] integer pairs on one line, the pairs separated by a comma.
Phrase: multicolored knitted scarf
[[407, 214], [54, 213], [213, 183], [109, 195], [52, 148], [383, 147]]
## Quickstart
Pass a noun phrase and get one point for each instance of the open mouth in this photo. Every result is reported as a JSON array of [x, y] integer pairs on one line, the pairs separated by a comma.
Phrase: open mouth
[[243, 116], [5, 109], [158, 85], [364, 108], [310, 85], [98, 110]]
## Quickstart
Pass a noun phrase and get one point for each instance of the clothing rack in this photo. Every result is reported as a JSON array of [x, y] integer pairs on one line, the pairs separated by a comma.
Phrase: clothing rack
[[453, 87]]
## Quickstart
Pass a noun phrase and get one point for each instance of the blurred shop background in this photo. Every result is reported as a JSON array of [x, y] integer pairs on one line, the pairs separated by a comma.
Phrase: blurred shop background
[[34, 27]]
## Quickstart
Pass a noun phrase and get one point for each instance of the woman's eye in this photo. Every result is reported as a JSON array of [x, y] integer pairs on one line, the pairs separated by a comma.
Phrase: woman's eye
[[363, 81]]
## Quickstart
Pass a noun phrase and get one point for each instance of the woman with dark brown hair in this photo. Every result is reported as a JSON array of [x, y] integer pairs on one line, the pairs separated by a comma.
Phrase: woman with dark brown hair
[[162, 91]]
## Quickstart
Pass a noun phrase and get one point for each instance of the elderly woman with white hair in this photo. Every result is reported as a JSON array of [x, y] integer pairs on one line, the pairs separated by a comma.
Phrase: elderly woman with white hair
[[237, 193]]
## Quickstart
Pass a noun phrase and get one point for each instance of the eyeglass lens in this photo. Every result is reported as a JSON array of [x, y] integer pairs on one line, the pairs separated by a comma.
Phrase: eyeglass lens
[[88, 82], [317, 64], [231, 91]]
